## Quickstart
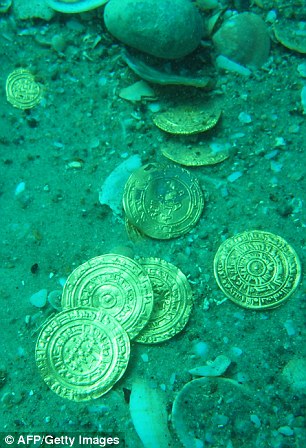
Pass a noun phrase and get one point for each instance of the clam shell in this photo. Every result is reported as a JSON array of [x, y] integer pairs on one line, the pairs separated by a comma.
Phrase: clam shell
[[244, 38], [74, 6]]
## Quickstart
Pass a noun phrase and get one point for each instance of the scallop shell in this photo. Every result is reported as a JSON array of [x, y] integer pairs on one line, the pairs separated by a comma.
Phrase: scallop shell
[[244, 38], [73, 6]]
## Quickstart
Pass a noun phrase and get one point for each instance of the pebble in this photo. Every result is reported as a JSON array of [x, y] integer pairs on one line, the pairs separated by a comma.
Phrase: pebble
[[289, 326], [166, 29], [20, 188], [285, 431], [245, 118], [234, 176], [39, 298]]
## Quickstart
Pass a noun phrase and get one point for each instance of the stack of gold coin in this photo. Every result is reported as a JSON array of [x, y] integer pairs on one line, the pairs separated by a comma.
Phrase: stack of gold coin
[[84, 350], [257, 269], [163, 201]]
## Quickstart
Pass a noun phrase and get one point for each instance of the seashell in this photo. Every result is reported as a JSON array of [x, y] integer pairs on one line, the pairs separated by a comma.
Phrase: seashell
[[291, 34], [244, 38], [149, 416], [72, 6]]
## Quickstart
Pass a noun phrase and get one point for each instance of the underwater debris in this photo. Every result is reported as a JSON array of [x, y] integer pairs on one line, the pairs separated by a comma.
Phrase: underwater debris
[[149, 416], [5, 5], [155, 76], [291, 34], [139, 91]]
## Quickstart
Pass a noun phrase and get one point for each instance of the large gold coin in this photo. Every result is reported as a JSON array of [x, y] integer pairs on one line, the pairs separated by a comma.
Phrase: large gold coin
[[22, 91], [172, 301], [194, 155], [116, 284], [163, 201], [257, 269], [187, 120], [81, 353]]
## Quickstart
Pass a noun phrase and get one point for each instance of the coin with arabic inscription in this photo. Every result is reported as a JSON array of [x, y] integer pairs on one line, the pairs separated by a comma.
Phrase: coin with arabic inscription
[[163, 201], [172, 301], [22, 91], [187, 119], [116, 284], [82, 352], [257, 269]]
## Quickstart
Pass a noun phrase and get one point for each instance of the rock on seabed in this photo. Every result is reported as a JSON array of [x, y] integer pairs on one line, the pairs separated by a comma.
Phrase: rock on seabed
[[167, 29]]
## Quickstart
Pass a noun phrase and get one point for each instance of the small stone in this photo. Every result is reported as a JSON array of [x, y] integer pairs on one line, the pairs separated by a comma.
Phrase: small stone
[[162, 28], [39, 299], [285, 431]]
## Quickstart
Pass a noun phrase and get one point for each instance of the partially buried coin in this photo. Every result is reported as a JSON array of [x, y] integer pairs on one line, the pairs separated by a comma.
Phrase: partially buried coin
[[81, 353], [257, 269], [194, 155], [172, 301], [115, 284], [22, 91], [187, 120], [163, 201]]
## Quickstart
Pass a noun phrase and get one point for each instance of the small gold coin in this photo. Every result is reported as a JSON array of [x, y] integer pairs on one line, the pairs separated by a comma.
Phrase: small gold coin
[[257, 269], [194, 155], [187, 120], [172, 301], [81, 353], [22, 91], [163, 201], [116, 284]]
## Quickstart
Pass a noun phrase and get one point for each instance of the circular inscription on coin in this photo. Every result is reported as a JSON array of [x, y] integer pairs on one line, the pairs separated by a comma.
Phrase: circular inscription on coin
[[172, 301], [22, 91], [81, 353], [116, 284], [163, 201], [257, 269]]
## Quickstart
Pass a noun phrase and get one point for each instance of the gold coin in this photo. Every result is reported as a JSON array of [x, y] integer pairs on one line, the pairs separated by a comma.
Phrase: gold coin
[[81, 353], [163, 201], [257, 269], [187, 120], [196, 155], [116, 284], [172, 301], [22, 91]]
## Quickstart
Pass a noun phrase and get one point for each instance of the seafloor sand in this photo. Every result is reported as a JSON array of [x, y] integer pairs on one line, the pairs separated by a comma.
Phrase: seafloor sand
[[58, 223]]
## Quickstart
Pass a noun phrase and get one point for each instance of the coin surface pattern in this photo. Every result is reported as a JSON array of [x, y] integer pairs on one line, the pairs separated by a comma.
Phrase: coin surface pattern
[[172, 301], [257, 269], [163, 201], [194, 155], [81, 353], [116, 284], [187, 120], [22, 91]]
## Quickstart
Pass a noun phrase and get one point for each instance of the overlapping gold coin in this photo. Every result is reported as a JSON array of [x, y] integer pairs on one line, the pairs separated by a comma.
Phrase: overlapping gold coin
[[188, 119], [22, 91], [81, 353], [115, 284], [172, 301], [193, 155], [257, 269], [163, 201]]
